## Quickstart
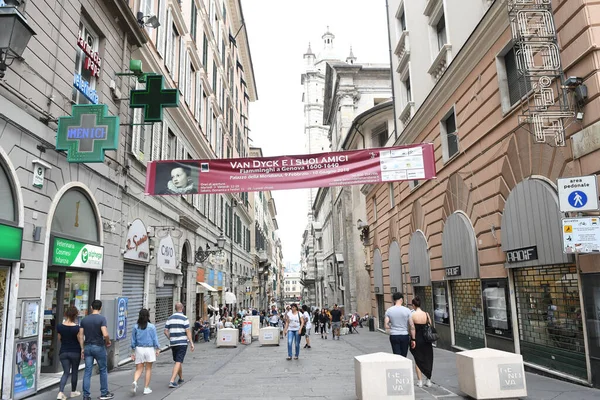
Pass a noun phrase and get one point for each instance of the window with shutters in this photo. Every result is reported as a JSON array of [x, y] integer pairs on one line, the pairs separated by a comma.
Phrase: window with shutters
[[209, 123], [214, 207], [449, 134], [219, 144], [172, 46], [198, 97], [204, 50], [227, 220], [513, 86], [190, 74], [221, 212], [203, 204], [214, 78], [156, 140], [147, 8], [160, 31], [138, 137], [379, 135], [440, 30], [223, 52], [181, 65]]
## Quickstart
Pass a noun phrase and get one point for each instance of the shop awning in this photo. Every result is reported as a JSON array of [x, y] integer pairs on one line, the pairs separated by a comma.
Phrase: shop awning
[[207, 287], [230, 298], [172, 271]]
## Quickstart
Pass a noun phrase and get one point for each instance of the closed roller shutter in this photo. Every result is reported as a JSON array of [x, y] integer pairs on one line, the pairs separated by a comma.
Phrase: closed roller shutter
[[164, 309], [133, 289]]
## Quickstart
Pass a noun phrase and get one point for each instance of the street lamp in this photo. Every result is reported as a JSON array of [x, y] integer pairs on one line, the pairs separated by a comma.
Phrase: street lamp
[[15, 33], [202, 254]]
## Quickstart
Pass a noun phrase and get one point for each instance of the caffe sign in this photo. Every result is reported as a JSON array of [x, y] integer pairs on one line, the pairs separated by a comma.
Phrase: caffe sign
[[165, 256], [137, 247]]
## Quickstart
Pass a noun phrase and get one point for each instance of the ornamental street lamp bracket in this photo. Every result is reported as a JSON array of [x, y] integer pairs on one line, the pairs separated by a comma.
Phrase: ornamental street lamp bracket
[[203, 254]]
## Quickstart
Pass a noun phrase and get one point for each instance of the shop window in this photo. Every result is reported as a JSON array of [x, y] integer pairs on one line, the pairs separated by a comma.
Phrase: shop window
[[7, 197], [591, 299], [425, 294], [441, 311], [75, 217], [469, 329], [496, 309], [86, 70]]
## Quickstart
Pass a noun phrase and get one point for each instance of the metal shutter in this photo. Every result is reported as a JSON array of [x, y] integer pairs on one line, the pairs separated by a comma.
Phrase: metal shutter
[[133, 289], [164, 309]]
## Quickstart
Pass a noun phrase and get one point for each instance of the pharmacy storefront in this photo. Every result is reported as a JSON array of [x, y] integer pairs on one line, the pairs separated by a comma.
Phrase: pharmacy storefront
[[547, 295], [75, 263], [11, 235]]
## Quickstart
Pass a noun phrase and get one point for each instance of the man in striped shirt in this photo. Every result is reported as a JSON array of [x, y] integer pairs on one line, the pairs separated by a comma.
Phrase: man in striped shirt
[[177, 330]]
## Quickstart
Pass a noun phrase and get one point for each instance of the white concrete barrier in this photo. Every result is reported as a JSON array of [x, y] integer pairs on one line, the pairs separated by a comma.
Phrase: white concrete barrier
[[269, 336], [491, 374], [227, 337], [383, 376]]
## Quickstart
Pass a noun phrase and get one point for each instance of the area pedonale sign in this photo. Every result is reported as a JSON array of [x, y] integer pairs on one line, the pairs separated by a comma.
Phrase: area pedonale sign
[[355, 167]]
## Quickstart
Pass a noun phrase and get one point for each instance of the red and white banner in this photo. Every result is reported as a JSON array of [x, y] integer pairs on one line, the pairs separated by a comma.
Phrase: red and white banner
[[354, 167]]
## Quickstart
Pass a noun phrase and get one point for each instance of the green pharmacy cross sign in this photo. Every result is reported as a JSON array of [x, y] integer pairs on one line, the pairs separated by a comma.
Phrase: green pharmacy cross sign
[[154, 98], [88, 133]]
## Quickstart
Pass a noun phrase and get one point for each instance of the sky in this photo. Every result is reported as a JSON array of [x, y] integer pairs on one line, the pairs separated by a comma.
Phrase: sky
[[279, 32]]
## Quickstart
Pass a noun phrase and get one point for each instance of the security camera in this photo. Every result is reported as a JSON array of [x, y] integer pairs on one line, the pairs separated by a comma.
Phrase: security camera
[[360, 225]]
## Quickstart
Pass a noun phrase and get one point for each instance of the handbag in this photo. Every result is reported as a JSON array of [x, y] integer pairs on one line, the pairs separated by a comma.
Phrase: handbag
[[303, 331], [429, 332]]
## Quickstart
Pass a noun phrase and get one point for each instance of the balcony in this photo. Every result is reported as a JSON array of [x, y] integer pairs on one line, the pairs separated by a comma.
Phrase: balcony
[[402, 51], [439, 65], [407, 113]]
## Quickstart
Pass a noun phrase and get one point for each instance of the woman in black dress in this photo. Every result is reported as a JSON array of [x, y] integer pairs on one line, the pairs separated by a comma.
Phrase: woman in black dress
[[423, 351]]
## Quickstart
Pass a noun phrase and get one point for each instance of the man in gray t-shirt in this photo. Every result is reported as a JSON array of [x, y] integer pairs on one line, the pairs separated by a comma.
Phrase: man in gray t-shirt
[[400, 325]]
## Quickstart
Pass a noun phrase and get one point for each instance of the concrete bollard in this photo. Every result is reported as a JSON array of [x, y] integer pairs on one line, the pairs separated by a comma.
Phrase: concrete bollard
[[491, 374], [227, 337], [383, 376], [269, 336]]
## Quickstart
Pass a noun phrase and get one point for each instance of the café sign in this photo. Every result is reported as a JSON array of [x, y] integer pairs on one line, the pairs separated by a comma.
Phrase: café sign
[[71, 253], [165, 258], [137, 247]]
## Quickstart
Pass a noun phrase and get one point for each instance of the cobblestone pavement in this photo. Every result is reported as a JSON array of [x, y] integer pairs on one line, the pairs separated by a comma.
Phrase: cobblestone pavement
[[324, 372]]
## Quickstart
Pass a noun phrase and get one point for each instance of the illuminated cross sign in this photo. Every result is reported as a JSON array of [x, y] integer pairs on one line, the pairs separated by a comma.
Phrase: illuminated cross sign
[[87, 134], [154, 98]]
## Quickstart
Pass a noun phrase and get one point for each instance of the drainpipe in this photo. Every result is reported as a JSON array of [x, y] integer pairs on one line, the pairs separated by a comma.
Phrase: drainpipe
[[387, 14]]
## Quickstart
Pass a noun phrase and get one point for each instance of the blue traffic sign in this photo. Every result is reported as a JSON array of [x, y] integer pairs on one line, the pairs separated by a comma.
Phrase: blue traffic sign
[[578, 199]]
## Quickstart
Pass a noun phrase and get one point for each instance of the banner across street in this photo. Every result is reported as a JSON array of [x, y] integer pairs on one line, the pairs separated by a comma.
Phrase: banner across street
[[355, 167]]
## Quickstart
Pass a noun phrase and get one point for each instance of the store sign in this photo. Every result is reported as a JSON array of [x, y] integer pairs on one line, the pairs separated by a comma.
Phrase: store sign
[[87, 134], [137, 247], [84, 87], [579, 193], [415, 280], [522, 255], [453, 271], [154, 98], [70, 253], [165, 257], [581, 235], [353, 167], [92, 61], [12, 240]]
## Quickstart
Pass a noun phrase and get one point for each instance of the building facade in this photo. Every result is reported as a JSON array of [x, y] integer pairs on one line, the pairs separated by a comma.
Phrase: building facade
[[462, 236], [138, 247], [292, 288]]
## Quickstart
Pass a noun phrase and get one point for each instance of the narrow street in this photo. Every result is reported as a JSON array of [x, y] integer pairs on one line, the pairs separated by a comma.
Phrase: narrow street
[[324, 372]]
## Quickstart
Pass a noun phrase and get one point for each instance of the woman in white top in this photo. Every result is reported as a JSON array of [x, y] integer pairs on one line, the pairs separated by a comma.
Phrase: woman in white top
[[293, 326], [306, 316]]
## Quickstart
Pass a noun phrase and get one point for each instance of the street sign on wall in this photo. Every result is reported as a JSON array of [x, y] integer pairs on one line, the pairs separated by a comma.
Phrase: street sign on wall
[[579, 193], [581, 235], [355, 167]]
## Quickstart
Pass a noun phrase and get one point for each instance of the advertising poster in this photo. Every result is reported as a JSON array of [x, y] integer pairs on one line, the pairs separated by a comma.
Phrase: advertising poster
[[25, 368], [247, 332], [122, 305], [354, 167]]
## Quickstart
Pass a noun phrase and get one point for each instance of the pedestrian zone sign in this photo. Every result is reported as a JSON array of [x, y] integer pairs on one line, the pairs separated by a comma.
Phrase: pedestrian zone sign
[[579, 193]]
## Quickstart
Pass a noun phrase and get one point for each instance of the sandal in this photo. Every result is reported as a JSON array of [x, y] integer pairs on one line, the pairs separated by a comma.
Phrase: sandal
[[289, 358]]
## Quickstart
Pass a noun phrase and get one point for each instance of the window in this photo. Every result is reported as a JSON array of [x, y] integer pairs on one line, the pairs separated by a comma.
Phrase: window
[[440, 303], [86, 70], [413, 184], [449, 135], [402, 20], [374, 208], [518, 85], [440, 30], [172, 47], [156, 140], [392, 198], [171, 145], [7, 198], [194, 21], [408, 89], [379, 135]]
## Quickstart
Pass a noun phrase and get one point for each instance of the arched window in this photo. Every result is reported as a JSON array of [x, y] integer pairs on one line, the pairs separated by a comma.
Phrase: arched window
[[8, 210], [75, 217]]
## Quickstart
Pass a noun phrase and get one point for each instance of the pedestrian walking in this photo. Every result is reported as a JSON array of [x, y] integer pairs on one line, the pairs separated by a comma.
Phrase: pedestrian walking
[[423, 350], [308, 324], [93, 328], [336, 321], [177, 330], [293, 326], [324, 321], [274, 317], [144, 349], [398, 322], [71, 341], [315, 320]]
